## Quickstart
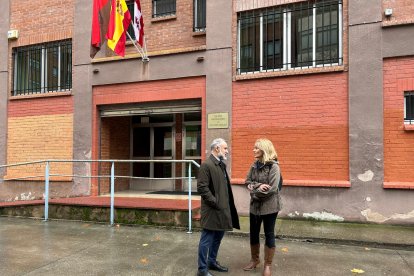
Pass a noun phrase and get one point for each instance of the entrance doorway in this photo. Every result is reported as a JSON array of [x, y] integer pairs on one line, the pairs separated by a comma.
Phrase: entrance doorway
[[164, 137]]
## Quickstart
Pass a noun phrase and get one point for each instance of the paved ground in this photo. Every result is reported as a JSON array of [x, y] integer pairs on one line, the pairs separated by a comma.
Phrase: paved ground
[[33, 247]]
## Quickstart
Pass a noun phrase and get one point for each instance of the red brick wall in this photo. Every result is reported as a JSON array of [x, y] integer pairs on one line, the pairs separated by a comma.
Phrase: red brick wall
[[306, 117], [402, 11], [169, 33], [40, 106], [115, 144], [398, 141], [41, 20]]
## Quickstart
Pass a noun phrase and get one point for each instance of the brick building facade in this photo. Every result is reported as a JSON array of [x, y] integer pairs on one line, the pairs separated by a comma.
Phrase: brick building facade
[[330, 82]]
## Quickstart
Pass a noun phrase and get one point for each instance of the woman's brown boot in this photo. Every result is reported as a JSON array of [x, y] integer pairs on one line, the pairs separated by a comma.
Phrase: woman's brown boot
[[269, 253], [255, 260]]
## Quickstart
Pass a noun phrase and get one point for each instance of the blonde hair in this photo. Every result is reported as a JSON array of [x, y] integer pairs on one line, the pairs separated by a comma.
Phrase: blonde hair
[[266, 146]]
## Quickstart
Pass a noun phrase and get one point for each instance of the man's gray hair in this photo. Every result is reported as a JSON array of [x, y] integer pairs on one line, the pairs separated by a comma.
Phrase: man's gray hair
[[216, 142]]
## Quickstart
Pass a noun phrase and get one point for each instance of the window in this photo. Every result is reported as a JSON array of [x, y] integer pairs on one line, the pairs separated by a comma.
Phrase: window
[[409, 107], [163, 8], [199, 16], [303, 35], [131, 8], [42, 68]]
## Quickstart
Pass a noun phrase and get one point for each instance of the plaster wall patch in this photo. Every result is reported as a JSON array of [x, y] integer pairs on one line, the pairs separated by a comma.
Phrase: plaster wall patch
[[323, 216], [379, 218], [366, 176]]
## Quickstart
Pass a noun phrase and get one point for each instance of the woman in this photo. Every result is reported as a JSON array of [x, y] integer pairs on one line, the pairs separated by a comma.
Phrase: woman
[[262, 182]]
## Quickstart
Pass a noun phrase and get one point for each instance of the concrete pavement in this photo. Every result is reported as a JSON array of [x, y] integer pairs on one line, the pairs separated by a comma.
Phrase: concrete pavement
[[34, 247]]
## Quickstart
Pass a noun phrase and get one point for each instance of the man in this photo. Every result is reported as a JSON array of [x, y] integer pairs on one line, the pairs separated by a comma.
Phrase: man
[[218, 212]]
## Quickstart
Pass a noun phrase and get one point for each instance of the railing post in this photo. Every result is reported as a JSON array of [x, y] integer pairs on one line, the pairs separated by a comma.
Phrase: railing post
[[112, 192], [47, 191], [189, 198]]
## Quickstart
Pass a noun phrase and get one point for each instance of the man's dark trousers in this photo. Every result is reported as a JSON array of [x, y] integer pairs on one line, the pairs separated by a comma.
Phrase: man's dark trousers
[[208, 248]]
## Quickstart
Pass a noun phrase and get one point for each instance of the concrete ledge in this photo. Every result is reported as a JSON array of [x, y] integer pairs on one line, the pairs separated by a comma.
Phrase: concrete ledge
[[362, 234]]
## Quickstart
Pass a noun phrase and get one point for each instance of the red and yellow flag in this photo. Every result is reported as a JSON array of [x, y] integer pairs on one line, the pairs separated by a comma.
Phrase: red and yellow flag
[[100, 19], [119, 21]]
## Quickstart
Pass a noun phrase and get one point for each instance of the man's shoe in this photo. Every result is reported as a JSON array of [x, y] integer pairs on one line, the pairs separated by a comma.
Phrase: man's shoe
[[204, 273], [218, 267]]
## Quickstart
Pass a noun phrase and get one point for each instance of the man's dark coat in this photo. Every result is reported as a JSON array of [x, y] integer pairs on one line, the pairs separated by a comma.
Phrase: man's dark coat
[[218, 211]]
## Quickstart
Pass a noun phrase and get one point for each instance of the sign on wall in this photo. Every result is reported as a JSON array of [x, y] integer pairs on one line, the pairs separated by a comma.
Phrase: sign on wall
[[218, 120]]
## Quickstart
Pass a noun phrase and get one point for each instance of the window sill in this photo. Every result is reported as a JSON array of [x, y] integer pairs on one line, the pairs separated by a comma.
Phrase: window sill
[[292, 72], [163, 18], [41, 95], [408, 127], [305, 183], [395, 23], [399, 185], [203, 33]]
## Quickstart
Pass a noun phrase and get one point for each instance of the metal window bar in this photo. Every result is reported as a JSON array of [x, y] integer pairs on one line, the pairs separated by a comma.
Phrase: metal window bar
[[112, 177], [307, 44], [409, 107], [42, 68], [163, 8], [199, 16]]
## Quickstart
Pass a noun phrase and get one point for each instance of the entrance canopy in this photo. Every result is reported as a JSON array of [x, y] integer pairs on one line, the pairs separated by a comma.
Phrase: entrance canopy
[[151, 108]]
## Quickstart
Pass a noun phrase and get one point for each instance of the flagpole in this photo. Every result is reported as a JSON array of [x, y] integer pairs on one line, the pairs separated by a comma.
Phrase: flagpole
[[140, 51]]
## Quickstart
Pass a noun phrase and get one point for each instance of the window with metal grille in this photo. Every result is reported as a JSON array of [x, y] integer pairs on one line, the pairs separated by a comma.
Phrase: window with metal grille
[[131, 8], [303, 35], [199, 16], [409, 107], [163, 8], [42, 68]]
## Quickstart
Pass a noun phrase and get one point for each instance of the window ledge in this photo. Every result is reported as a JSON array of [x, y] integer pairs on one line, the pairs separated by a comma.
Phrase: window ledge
[[408, 127], [203, 33], [163, 18], [394, 23], [399, 185], [291, 72], [306, 183], [41, 95]]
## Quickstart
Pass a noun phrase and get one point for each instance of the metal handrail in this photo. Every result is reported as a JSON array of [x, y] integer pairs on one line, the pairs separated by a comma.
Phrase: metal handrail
[[112, 178]]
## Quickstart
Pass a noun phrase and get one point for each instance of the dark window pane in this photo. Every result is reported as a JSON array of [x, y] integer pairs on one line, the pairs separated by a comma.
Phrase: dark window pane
[[273, 40], [192, 117], [163, 7], [162, 170], [199, 15], [302, 33], [141, 169], [66, 67], [193, 141], [162, 141], [409, 107], [141, 140], [249, 24], [327, 40], [131, 9], [52, 69]]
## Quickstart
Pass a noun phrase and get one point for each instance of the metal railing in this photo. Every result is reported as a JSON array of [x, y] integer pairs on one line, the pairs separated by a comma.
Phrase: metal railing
[[112, 177]]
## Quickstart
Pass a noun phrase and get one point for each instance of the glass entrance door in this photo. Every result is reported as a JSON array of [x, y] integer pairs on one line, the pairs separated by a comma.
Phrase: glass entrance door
[[152, 143]]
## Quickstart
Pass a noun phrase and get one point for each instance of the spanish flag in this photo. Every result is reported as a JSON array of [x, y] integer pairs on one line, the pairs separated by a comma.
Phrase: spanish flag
[[100, 19], [119, 21]]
